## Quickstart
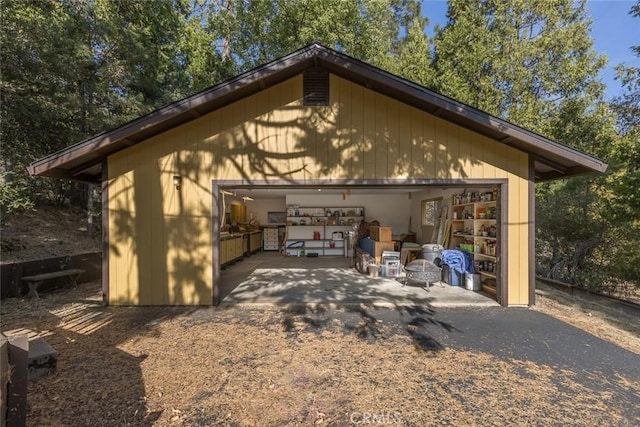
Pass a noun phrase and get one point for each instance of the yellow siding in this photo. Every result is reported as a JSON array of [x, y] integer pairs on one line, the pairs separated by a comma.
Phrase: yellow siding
[[369, 132], [160, 236]]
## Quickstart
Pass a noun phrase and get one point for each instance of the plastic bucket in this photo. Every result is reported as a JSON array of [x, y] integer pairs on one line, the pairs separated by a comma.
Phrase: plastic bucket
[[472, 282], [374, 270]]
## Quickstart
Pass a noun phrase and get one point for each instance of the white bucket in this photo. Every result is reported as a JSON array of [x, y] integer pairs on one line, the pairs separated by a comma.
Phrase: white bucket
[[373, 270]]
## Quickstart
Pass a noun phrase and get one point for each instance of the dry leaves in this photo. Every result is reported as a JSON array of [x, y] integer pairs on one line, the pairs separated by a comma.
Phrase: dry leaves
[[278, 366]]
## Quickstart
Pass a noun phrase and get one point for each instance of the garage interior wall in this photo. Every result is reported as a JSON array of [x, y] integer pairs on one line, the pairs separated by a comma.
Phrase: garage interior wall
[[392, 210], [160, 235]]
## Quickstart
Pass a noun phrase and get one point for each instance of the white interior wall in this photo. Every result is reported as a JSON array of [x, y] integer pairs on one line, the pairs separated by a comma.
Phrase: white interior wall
[[392, 210], [259, 208]]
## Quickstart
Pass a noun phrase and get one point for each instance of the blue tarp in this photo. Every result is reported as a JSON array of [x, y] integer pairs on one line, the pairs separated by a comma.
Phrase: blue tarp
[[460, 261]]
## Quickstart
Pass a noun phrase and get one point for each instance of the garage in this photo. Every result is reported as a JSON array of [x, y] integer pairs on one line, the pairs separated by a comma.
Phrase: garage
[[330, 134], [332, 222]]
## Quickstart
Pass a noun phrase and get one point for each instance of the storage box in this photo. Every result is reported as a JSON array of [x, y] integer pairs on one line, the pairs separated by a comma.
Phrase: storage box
[[379, 247], [392, 268], [375, 249], [467, 247], [381, 234]]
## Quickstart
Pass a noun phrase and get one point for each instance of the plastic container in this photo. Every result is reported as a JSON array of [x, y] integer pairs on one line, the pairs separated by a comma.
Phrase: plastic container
[[373, 270], [392, 268]]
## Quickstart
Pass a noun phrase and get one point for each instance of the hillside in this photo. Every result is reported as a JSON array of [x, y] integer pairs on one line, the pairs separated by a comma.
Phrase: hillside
[[47, 232]]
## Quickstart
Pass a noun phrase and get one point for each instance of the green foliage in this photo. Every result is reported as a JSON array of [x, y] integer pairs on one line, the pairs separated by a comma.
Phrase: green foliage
[[254, 32], [415, 56], [73, 69], [518, 59], [533, 63], [12, 195]]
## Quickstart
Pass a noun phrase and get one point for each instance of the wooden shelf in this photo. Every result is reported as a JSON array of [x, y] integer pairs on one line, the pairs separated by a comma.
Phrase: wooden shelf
[[486, 273], [471, 220], [489, 289]]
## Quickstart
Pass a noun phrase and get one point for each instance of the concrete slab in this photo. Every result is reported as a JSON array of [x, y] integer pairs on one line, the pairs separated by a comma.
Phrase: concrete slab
[[272, 278]]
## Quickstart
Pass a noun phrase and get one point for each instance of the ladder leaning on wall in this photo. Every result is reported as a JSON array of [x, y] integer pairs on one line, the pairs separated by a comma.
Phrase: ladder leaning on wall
[[441, 227]]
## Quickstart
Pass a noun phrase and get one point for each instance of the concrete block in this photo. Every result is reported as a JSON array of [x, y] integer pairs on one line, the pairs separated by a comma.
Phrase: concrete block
[[42, 358]]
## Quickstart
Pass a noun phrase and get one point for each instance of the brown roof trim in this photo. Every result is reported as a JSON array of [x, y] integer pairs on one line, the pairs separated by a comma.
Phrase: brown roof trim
[[72, 162]]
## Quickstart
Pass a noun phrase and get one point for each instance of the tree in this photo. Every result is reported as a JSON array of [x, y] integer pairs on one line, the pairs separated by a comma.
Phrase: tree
[[255, 32], [415, 56], [110, 62], [628, 105], [74, 69], [533, 63]]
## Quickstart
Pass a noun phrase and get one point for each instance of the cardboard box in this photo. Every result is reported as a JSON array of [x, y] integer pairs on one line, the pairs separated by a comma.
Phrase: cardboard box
[[379, 247], [381, 234]]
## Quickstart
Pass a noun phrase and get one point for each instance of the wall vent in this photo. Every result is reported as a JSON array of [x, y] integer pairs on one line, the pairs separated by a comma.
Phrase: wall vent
[[316, 87]]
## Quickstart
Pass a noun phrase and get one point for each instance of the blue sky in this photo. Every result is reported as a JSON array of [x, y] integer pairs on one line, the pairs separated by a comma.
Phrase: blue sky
[[614, 32]]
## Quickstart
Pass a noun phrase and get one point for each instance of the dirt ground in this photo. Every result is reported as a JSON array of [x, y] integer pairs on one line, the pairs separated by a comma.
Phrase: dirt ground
[[276, 366], [46, 233]]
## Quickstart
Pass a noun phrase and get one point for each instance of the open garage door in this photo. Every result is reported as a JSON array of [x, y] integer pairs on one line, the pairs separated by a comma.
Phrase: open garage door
[[295, 220]]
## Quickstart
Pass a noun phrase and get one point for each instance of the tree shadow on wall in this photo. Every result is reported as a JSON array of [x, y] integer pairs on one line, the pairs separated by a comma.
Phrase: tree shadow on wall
[[167, 232]]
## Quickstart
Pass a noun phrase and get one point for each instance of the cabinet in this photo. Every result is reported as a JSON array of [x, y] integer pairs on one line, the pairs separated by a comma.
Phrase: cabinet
[[231, 248], [474, 229], [238, 214], [320, 231], [255, 241], [270, 240]]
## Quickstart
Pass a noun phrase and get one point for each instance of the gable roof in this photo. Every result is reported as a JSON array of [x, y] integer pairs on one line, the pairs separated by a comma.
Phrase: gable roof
[[83, 161]]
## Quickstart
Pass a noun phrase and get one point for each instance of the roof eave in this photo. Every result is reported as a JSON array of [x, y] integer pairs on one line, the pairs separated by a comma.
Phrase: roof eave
[[83, 155]]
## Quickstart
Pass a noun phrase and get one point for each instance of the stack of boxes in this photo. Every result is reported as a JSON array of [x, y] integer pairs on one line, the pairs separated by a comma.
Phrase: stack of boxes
[[382, 241], [383, 250]]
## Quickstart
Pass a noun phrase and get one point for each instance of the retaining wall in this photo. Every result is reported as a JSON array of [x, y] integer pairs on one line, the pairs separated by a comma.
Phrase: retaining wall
[[11, 274]]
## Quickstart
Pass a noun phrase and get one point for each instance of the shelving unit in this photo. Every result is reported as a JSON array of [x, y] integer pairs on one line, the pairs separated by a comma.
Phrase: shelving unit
[[318, 230], [474, 230]]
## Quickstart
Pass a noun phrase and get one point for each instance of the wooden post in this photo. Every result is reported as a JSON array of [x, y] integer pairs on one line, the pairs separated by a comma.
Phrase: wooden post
[[90, 210], [17, 390], [4, 377]]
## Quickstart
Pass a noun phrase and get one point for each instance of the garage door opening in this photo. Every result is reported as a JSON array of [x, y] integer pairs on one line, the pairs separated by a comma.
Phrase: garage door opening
[[336, 224]]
